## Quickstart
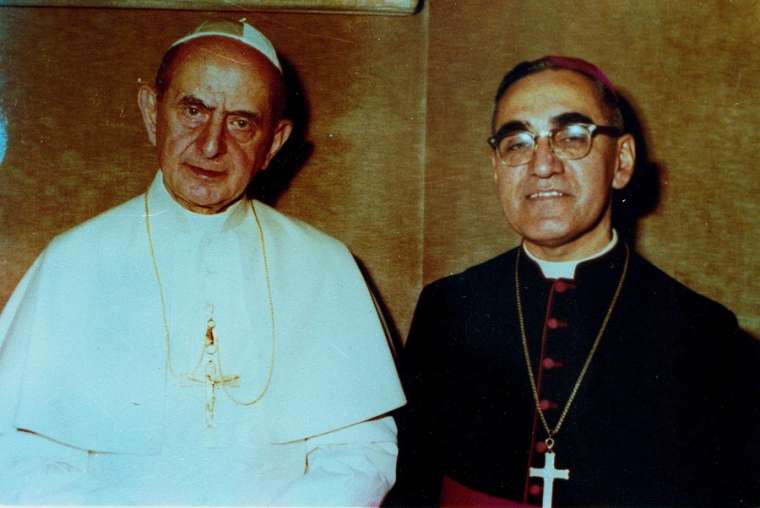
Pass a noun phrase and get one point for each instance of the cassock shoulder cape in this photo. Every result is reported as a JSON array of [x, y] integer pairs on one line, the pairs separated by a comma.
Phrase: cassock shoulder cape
[[83, 356], [668, 414]]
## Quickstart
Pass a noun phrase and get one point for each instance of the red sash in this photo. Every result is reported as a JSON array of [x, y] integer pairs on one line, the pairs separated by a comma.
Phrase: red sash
[[456, 495]]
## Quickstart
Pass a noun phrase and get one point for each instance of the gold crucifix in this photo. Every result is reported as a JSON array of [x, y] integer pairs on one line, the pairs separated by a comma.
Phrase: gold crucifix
[[212, 376]]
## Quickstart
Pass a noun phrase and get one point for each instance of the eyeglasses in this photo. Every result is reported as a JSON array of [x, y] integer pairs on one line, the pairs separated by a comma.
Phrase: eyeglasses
[[572, 141]]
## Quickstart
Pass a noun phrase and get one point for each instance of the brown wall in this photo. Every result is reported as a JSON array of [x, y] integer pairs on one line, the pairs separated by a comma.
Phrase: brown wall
[[399, 111]]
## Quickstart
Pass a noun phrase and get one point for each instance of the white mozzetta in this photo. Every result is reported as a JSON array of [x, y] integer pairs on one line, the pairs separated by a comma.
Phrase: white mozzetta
[[83, 365]]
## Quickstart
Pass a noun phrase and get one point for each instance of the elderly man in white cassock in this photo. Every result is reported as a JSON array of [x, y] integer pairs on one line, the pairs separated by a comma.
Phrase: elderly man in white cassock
[[191, 346]]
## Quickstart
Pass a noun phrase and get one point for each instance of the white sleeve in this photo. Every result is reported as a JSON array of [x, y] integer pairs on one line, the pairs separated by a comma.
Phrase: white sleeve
[[354, 466], [38, 470], [13, 303], [33, 469]]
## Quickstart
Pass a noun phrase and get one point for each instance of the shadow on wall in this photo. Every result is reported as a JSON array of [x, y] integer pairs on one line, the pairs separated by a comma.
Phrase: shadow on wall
[[642, 194], [391, 329], [267, 186]]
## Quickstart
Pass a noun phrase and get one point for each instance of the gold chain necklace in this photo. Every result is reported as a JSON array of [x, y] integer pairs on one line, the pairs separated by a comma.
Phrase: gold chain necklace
[[167, 333], [549, 431]]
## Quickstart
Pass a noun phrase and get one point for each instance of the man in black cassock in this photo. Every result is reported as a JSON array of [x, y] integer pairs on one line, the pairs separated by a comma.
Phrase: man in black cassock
[[570, 371]]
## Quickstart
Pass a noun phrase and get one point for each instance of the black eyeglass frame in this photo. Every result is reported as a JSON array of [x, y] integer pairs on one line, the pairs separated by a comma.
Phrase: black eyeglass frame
[[593, 130]]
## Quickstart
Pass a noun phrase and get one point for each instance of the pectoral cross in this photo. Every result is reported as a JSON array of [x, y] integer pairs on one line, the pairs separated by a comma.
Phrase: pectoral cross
[[549, 473], [212, 375]]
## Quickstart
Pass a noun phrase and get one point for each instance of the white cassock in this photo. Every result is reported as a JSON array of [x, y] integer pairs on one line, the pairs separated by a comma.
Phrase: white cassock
[[84, 366]]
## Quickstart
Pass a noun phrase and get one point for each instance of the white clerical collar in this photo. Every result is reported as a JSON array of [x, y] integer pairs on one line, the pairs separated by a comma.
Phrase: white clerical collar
[[566, 269], [163, 205]]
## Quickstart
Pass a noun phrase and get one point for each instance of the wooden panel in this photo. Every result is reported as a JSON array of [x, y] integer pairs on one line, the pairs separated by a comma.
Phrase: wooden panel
[[335, 6]]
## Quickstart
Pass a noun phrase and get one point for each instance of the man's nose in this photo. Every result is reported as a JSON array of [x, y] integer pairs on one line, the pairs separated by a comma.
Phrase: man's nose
[[212, 139], [545, 163]]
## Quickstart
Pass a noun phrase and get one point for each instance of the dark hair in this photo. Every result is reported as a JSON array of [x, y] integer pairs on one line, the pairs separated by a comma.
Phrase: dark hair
[[163, 75], [610, 99], [166, 69]]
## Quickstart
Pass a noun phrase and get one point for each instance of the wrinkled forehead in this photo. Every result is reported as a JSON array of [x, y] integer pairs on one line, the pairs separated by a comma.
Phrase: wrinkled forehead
[[214, 65], [543, 99]]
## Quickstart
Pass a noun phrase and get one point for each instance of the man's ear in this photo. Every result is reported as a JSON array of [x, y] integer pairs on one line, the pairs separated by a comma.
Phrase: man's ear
[[281, 135], [495, 166], [626, 160], [147, 100]]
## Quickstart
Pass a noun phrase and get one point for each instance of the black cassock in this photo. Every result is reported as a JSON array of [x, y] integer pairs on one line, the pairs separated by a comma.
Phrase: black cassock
[[667, 415]]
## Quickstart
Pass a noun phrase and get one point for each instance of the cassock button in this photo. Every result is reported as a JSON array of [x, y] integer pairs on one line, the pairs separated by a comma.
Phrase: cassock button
[[560, 286], [549, 363], [535, 490], [540, 447], [552, 323], [546, 404]]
